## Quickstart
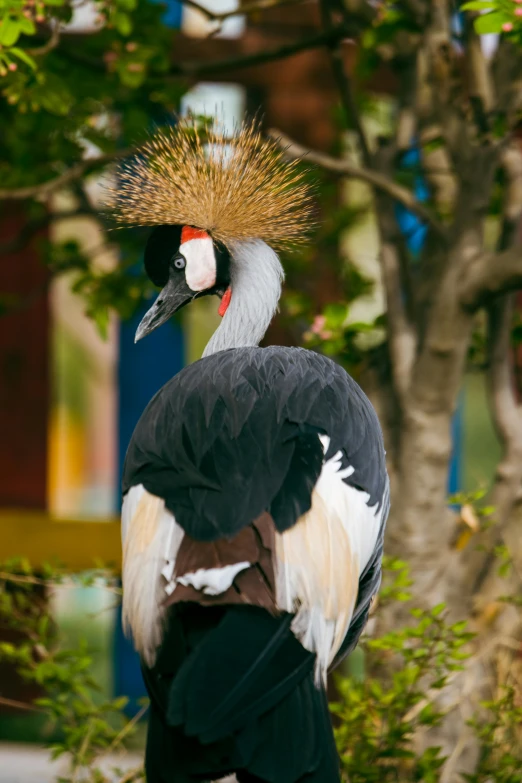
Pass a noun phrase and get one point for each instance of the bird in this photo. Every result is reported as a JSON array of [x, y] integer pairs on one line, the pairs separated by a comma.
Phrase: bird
[[255, 490]]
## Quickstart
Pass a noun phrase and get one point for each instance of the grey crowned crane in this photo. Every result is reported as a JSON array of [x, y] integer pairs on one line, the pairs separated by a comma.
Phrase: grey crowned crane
[[255, 491]]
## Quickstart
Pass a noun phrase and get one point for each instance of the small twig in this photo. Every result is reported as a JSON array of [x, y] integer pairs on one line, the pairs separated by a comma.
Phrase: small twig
[[19, 705], [132, 775], [75, 172], [243, 9], [78, 762], [5, 576], [344, 168], [47, 47], [126, 730]]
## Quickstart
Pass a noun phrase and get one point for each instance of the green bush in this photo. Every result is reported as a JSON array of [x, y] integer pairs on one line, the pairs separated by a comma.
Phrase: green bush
[[378, 715], [84, 726]]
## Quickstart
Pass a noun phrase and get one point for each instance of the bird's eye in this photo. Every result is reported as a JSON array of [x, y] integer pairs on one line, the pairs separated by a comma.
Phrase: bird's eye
[[179, 261]]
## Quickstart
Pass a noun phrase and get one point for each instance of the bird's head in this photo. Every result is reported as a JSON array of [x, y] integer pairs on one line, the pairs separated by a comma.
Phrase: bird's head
[[222, 206], [186, 263]]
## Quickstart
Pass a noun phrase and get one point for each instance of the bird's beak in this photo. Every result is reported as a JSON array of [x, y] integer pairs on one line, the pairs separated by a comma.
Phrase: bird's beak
[[171, 299]]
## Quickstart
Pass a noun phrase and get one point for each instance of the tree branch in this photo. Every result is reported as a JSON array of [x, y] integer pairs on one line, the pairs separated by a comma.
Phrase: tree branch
[[344, 84], [74, 173], [243, 9], [403, 341], [195, 69], [198, 68], [49, 45], [492, 274], [344, 168], [480, 82]]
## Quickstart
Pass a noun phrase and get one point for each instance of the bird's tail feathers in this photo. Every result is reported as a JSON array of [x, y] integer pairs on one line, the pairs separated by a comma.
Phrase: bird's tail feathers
[[244, 667]]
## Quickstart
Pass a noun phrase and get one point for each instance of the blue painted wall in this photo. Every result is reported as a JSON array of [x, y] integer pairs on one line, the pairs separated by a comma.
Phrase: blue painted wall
[[143, 369]]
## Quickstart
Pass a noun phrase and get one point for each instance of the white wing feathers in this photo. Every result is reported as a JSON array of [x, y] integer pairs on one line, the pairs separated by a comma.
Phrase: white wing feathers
[[319, 561], [150, 539]]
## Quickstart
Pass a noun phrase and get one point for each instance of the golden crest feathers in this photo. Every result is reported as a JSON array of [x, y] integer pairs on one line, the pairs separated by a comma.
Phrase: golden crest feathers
[[236, 188]]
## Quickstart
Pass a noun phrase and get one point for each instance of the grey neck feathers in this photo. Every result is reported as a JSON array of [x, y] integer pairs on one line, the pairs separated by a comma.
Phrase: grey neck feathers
[[256, 278]]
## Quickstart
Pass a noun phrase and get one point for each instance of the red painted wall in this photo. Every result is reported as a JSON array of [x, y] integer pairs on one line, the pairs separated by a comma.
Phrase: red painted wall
[[24, 382]]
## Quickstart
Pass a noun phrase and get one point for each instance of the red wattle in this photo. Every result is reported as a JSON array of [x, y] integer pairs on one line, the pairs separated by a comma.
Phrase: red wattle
[[225, 301]]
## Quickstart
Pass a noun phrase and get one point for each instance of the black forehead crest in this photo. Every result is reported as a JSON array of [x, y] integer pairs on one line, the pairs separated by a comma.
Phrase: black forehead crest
[[161, 245]]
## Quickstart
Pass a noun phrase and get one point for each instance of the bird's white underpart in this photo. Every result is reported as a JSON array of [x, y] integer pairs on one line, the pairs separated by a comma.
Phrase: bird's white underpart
[[213, 581], [256, 279]]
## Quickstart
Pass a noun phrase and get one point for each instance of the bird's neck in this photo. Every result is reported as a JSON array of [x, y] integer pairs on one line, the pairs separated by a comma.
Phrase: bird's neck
[[256, 278]]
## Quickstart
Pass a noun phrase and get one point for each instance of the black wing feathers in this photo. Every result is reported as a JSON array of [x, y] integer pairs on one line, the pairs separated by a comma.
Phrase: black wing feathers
[[233, 435]]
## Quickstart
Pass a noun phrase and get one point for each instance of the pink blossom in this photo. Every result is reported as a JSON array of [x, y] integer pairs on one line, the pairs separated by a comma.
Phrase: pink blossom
[[318, 324], [507, 27], [132, 45], [326, 334], [13, 66], [518, 11], [518, 1]]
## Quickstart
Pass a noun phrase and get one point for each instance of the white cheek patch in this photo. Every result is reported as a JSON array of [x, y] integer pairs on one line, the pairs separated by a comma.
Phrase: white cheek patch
[[200, 272]]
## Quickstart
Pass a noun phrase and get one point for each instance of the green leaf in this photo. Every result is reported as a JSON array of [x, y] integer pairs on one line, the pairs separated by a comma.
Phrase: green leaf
[[27, 26], [120, 703], [132, 74], [335, 314], [10, 30], [491, 23], [101, 319], [23, 56], [123, 23], [478, 5]]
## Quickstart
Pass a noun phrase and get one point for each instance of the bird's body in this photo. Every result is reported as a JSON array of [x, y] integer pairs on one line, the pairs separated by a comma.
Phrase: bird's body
[[234, 436], [255, 499]]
